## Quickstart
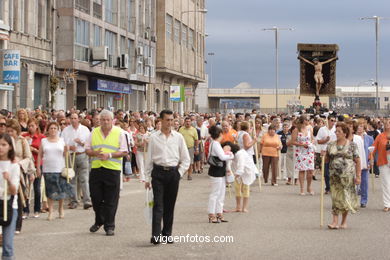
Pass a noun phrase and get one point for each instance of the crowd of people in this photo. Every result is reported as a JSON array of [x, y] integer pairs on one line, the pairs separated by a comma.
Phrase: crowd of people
[[38, 147]]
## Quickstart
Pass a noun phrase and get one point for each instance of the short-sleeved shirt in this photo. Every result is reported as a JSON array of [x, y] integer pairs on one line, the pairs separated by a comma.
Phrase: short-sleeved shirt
[[190, 136], [270, 145], [229, 136]]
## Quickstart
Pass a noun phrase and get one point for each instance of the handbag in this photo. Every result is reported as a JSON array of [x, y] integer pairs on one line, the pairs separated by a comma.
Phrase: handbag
[[68, 173], [9, 212], [128, 168], [214, 160]]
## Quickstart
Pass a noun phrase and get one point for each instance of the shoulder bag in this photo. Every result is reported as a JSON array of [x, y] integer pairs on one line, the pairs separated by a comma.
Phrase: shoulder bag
[[214, 160], [68, 173]]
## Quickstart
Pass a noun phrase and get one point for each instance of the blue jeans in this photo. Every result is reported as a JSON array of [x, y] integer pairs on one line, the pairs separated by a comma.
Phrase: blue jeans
[[364, 187], [8, 237]]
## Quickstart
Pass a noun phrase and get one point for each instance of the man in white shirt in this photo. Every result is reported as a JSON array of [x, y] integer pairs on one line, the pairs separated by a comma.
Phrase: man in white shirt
[[75, 136], [167, 159], [325, 135]]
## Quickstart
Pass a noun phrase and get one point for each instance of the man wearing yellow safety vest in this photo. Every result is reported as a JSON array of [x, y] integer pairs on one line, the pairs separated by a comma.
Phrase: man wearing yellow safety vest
[[106, 147]]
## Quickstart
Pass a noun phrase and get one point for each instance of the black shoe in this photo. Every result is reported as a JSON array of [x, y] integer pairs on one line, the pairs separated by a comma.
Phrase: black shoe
[[363, 205], [87, 206], [94, 228], [110, 232], [155, 241], [314, 178]]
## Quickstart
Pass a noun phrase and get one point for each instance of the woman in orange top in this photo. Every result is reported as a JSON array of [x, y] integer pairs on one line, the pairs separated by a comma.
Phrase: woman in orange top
[[270, 146], [382, 147], [228, 134]]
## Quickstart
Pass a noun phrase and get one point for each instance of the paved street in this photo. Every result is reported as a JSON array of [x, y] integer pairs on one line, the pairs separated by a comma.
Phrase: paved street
[[280, 225]]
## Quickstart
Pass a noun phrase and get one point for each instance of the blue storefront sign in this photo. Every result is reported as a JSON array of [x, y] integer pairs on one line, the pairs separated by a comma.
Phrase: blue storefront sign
[[11, 66], [110, 86]]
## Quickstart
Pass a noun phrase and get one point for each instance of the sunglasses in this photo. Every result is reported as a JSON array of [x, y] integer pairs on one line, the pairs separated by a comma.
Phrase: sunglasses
[[3, 124], [332, 120]]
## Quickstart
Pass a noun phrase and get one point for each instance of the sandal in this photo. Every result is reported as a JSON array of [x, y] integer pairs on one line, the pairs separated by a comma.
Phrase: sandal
[[221, 219], [386, 209]]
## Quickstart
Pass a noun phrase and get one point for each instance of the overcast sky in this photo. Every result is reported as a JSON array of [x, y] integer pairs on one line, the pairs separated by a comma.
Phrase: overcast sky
[[245, 53]]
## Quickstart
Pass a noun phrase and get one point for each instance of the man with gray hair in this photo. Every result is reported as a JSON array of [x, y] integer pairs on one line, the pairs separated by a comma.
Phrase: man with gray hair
[[107, 146], [75, 135]]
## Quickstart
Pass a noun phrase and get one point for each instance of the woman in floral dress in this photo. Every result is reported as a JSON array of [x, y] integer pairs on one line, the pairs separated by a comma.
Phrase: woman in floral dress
[[302, 137], [344, 170]]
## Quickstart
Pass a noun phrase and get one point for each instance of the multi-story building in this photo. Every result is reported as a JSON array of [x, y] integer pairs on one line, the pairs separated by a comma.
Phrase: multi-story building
[[27, 26], [180, 52], [105, 52]]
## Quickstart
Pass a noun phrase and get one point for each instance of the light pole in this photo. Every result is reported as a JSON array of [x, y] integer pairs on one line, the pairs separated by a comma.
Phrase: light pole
[[203, 11], [377, 20], [276, 30], [211, 54]]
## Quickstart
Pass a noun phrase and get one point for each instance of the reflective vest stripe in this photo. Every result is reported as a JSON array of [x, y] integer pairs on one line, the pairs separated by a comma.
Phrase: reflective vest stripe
[[105, 146], [110, 159]]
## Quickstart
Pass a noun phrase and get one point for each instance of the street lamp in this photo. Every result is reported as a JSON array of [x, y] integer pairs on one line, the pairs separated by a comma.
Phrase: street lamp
[[211, 54], [377, 19], [276, 30]]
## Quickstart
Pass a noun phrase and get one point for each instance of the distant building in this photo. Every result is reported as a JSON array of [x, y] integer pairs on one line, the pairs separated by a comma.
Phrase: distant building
[[180, 52]]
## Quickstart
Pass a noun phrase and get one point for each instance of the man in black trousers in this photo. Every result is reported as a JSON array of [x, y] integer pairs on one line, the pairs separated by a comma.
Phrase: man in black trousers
[[167, 159]]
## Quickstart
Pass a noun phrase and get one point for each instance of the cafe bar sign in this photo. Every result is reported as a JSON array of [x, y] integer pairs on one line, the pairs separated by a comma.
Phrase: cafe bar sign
[[11, 66]]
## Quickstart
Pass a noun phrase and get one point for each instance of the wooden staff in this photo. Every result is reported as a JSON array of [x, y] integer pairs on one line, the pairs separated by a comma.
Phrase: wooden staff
[[257, 152], [322, 191], [5, 217]]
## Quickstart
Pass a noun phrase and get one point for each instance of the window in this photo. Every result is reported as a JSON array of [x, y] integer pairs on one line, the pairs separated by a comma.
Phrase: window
[[21, 15], [42, 18], [130, 50], [191, 38], [97, 35], [148, 13], [147, 61], [83, 5], [123, 45], [110, 11], [110, 41], [140, 60], [81, 40], [129, 15], [123, 20], [168, 26], [177, 31], [386, 99], [97, 9], [184, 35]]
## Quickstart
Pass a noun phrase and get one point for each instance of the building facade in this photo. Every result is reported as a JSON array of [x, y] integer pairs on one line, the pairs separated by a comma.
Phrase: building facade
[[30, 31], [180, 52], [106, 53]]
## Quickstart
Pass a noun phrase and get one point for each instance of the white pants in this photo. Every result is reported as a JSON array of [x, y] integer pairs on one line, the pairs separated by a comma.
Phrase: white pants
[[217, 195], [290, 167], [283, 166], [139, 157], [385, 179]]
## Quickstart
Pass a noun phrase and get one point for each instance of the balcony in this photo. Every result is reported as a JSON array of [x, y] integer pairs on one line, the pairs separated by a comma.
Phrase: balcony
[[83, 5]]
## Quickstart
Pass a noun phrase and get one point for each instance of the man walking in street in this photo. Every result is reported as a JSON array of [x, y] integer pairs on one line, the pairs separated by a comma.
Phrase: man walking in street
[[106, 147], [192, 141], [75, 136], [167, 159]]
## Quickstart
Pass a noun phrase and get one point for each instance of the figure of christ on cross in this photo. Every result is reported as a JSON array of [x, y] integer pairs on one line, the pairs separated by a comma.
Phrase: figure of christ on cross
[[318, 77]]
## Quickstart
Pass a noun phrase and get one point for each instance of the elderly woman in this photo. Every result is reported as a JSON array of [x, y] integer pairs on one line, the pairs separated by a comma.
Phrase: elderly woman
[[344, 169], [270, 145], [382, 149], [217, 173]]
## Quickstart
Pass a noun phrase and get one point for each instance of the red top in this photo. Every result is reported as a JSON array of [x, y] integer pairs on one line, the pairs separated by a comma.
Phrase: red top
[[36, 143], [380, 147]]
